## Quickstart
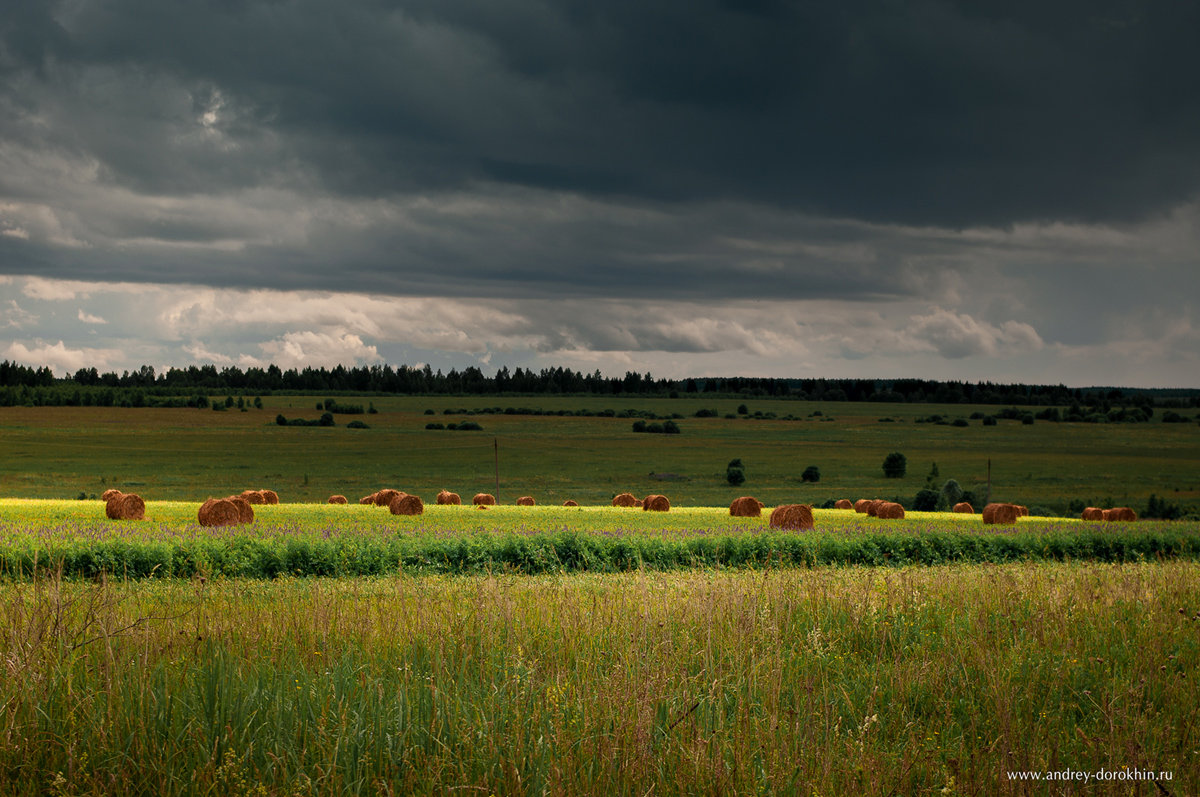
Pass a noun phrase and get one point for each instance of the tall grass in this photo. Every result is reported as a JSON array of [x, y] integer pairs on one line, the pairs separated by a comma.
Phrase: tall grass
[[829, 681]]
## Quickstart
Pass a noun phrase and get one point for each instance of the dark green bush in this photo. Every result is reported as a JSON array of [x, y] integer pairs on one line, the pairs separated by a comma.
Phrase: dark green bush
[[357, 425], [735, 476], [989, 420], [895, 465], [925, 501], [435, 426], [469, 426], [811, 474]]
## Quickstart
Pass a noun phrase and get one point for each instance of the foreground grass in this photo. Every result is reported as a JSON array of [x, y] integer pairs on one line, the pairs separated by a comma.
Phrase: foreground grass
[[347, 541], [829, 681]]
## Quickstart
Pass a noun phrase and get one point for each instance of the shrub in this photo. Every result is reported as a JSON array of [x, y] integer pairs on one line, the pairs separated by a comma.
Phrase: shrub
[[960, 422], [357, 425], [811, 474], [1027, 419], [706, 413], [989, 420], [743, 409], [282, 421], [951, 494], [639, 426], [735, 463], [895, 465], [925, 501], [372, 411], [469, 426], [977, 416], [435, 426], [735, 476], [1159, 508], [326, 419], [670, 427], [258, 402]]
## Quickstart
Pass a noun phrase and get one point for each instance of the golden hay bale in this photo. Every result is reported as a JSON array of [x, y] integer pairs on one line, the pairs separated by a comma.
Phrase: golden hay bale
[[270, 496], [484, 499], [873, 507], [1022, 511], [746, 506], [624, 499], [861, 505], [569, 502], [525, 500], [1120, 514], [964, 508], [254, 497], [367, 499], [385, 496], [889, 510], [245, 511], [405, 504], [448, 498], [219, 512], [843, 503], [656, 503], [109, 493], [1005, 514], [795, 517], [1092, 513], [125, 506], [338, 499]]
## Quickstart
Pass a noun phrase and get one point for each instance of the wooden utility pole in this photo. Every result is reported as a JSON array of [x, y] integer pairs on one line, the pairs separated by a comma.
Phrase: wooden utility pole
[[496, 451]]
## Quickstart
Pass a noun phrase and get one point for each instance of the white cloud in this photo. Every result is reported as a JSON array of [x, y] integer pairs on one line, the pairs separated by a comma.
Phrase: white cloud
[[16, 317], [88, 318], [60, 358], [957, 335], [300, 349]]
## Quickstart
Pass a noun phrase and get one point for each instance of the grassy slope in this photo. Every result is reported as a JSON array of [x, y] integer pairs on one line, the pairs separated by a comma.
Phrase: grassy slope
[[189, 454]]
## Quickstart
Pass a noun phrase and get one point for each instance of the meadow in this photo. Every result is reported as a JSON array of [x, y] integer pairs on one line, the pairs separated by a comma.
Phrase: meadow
[[327, 650], [188, 454]]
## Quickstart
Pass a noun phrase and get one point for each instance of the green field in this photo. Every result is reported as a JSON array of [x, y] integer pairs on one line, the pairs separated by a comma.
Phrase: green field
[[185, 454]]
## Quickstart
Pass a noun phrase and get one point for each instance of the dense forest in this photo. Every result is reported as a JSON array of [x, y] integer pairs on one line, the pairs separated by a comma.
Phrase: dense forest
[[190, 386]]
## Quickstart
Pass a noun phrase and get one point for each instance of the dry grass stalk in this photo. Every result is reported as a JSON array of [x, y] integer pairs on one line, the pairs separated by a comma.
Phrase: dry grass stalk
[[746, 506], [793, 517]]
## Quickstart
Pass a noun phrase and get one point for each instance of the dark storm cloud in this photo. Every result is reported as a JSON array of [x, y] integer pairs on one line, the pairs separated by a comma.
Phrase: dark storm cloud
[[925, 112]]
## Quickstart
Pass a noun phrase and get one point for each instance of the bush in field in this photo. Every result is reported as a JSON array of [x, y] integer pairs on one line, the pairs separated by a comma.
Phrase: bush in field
[[925, 501], [895, 465], [357, 425], [811, 474], [435, 426], [468, 426], [735, 474], [950, 495], [989, 420]]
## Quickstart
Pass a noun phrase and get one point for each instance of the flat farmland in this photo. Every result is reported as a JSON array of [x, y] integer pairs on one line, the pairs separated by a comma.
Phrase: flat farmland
[[187, 454]]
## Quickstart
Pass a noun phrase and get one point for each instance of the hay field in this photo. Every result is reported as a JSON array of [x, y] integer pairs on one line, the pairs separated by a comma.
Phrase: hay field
[[59, 452]]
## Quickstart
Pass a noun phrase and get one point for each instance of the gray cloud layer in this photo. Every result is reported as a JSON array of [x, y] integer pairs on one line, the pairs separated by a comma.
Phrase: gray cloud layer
[[989, 177]]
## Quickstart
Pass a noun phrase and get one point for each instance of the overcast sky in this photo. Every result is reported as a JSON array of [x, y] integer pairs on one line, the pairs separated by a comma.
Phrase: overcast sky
[[975, 190]]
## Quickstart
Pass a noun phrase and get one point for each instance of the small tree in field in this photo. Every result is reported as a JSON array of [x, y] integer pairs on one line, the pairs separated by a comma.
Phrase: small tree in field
[[811, 474], [895, 465], [735, 474]]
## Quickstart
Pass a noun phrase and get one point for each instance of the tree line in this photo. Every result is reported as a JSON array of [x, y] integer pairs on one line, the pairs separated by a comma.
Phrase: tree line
[[22, 384]]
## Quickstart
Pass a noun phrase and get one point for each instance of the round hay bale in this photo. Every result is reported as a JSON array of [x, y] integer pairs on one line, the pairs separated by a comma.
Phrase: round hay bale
[[125, 506], [525, 500], [794, 517], [245, 511], [484, 499], [1092, 513], [624, 499], [656, 503], [873, 507], [889, 510], [1120, 514], [843, 503], [385, 496], [569, 502], [254, 497], [1003, 514], [1022, 511], [219, 512], [448, 498], [861, 505], [964, 508], [367, 499], [338, 499], [746, 506], [405, 504], [270, 497], [109, 493], [482, 506]]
